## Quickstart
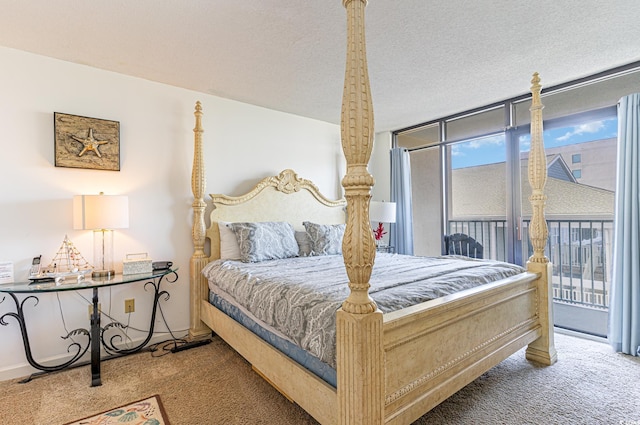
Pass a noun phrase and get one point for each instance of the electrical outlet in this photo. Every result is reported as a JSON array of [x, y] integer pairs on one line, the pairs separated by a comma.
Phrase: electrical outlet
[[129, 305], [91, 309]]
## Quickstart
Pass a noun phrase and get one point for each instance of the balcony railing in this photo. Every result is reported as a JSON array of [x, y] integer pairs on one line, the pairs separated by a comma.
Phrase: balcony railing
[[580, 251]]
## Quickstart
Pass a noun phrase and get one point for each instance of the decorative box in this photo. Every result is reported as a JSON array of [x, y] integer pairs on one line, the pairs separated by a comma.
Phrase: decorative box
[[137, 263]]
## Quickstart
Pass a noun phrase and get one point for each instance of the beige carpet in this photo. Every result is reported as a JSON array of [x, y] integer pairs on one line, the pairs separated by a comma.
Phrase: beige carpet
[[214, 385]]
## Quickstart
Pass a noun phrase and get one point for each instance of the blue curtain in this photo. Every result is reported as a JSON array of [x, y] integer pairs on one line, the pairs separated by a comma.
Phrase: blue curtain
[[624, 309], [401, 232]]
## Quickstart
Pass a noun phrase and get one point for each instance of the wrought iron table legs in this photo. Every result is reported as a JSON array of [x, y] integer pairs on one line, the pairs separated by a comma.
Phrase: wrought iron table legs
[[95, 336], [74, 346], [96, 381]]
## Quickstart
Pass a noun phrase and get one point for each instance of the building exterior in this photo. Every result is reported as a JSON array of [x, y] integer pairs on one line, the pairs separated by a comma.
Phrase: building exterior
[[591, 163]]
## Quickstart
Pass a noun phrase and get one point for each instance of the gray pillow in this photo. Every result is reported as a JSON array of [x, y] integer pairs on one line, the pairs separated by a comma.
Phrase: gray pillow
[[326, 239], [304, 243], [265, 241]]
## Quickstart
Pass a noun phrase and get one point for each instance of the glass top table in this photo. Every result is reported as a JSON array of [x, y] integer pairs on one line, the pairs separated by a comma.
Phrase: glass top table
[[72, 283], [97, 337]]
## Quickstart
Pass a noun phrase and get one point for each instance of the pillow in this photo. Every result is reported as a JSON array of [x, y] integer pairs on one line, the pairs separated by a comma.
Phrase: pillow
[[326, 239], [265, 241], [229, 248], [304, 243]]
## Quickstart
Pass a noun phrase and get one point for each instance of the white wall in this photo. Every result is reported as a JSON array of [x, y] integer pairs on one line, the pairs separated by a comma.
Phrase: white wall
[[380, 167], [243, 143]]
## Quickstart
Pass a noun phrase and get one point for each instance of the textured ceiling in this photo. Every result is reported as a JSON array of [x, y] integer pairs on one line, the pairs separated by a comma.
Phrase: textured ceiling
[[427, 58]]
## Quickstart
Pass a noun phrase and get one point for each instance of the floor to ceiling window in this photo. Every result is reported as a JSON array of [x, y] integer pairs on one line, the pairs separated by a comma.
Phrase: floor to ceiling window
[[469, 175], [477, 194]]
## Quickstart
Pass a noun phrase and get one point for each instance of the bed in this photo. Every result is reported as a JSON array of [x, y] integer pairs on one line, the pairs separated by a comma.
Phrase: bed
[[389, 367]]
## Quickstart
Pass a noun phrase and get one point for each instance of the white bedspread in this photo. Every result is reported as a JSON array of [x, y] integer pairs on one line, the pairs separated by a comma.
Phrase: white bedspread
[[299, 296]]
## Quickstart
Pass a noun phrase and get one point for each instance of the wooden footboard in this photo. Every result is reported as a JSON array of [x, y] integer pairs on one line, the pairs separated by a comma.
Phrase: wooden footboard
[[436, 348], [431, 350]]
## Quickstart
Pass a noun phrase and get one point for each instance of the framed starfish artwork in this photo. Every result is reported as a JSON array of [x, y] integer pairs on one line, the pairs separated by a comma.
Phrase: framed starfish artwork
[[83, 142]]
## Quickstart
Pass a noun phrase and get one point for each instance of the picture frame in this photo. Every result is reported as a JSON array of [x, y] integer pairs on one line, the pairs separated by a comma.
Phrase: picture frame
[[84, 142]]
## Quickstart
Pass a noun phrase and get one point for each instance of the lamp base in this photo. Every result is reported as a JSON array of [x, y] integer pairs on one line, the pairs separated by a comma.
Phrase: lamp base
[[103, 273]]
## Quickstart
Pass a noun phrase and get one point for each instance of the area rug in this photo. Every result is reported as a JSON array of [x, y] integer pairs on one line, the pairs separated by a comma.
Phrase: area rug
[[148, 412]]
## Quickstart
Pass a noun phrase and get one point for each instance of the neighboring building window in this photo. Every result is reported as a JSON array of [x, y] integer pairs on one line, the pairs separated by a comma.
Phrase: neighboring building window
[[576, 158], [577, 173]]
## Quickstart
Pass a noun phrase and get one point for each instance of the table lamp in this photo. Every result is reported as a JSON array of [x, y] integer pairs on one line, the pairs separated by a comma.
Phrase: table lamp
[[382, 212], [101, 213]]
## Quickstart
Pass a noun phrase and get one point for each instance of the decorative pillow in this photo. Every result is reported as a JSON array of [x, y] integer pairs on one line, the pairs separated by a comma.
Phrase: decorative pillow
[[304, 243], [229, 248], [265, 241], [326, 239]]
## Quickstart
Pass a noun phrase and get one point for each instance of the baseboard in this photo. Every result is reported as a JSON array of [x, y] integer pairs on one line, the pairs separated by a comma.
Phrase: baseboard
[[24, 369]]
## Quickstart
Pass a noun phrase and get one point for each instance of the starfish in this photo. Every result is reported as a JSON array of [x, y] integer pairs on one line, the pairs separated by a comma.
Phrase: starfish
[[90, 143]]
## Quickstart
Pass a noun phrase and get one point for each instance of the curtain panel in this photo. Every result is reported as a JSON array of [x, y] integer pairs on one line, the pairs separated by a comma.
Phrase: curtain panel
[[624, 309], [401, 232]]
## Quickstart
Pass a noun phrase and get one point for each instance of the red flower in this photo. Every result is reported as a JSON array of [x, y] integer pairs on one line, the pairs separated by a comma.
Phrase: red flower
[[379, 232]]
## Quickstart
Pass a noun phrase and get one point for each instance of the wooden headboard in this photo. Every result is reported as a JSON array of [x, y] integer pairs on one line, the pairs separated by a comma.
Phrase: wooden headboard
[[285, 197]]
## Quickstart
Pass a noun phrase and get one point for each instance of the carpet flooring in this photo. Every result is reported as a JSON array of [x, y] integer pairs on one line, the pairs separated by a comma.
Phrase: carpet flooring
[[212, 384]]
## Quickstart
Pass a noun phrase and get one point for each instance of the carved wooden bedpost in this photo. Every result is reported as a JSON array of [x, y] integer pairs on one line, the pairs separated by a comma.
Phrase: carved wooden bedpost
[[543, 349], [198, 284], [359, 322]]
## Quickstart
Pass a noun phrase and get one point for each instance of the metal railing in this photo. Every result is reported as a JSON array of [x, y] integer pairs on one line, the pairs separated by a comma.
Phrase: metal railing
[[580, 251]]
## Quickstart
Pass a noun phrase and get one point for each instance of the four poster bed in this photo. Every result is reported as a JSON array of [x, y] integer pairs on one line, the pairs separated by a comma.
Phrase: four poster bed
[[381, 364]]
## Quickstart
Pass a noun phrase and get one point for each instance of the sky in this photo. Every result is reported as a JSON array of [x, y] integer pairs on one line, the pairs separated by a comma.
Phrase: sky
[[492, 149]]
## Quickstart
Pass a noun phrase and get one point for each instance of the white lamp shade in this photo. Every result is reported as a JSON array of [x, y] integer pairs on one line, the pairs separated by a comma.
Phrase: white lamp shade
[[93, 212], [382, 212]]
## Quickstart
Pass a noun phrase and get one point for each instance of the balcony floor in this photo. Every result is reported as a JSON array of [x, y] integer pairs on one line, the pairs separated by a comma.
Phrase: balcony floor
[[589, 320]]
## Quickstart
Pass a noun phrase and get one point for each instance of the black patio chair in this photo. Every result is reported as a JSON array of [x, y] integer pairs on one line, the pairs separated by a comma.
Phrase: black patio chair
[[461, 244]]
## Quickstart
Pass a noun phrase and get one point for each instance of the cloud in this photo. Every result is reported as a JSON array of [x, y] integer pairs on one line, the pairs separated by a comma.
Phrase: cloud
[[459, 149], [592, 127], [456, 150], [484, 142]]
